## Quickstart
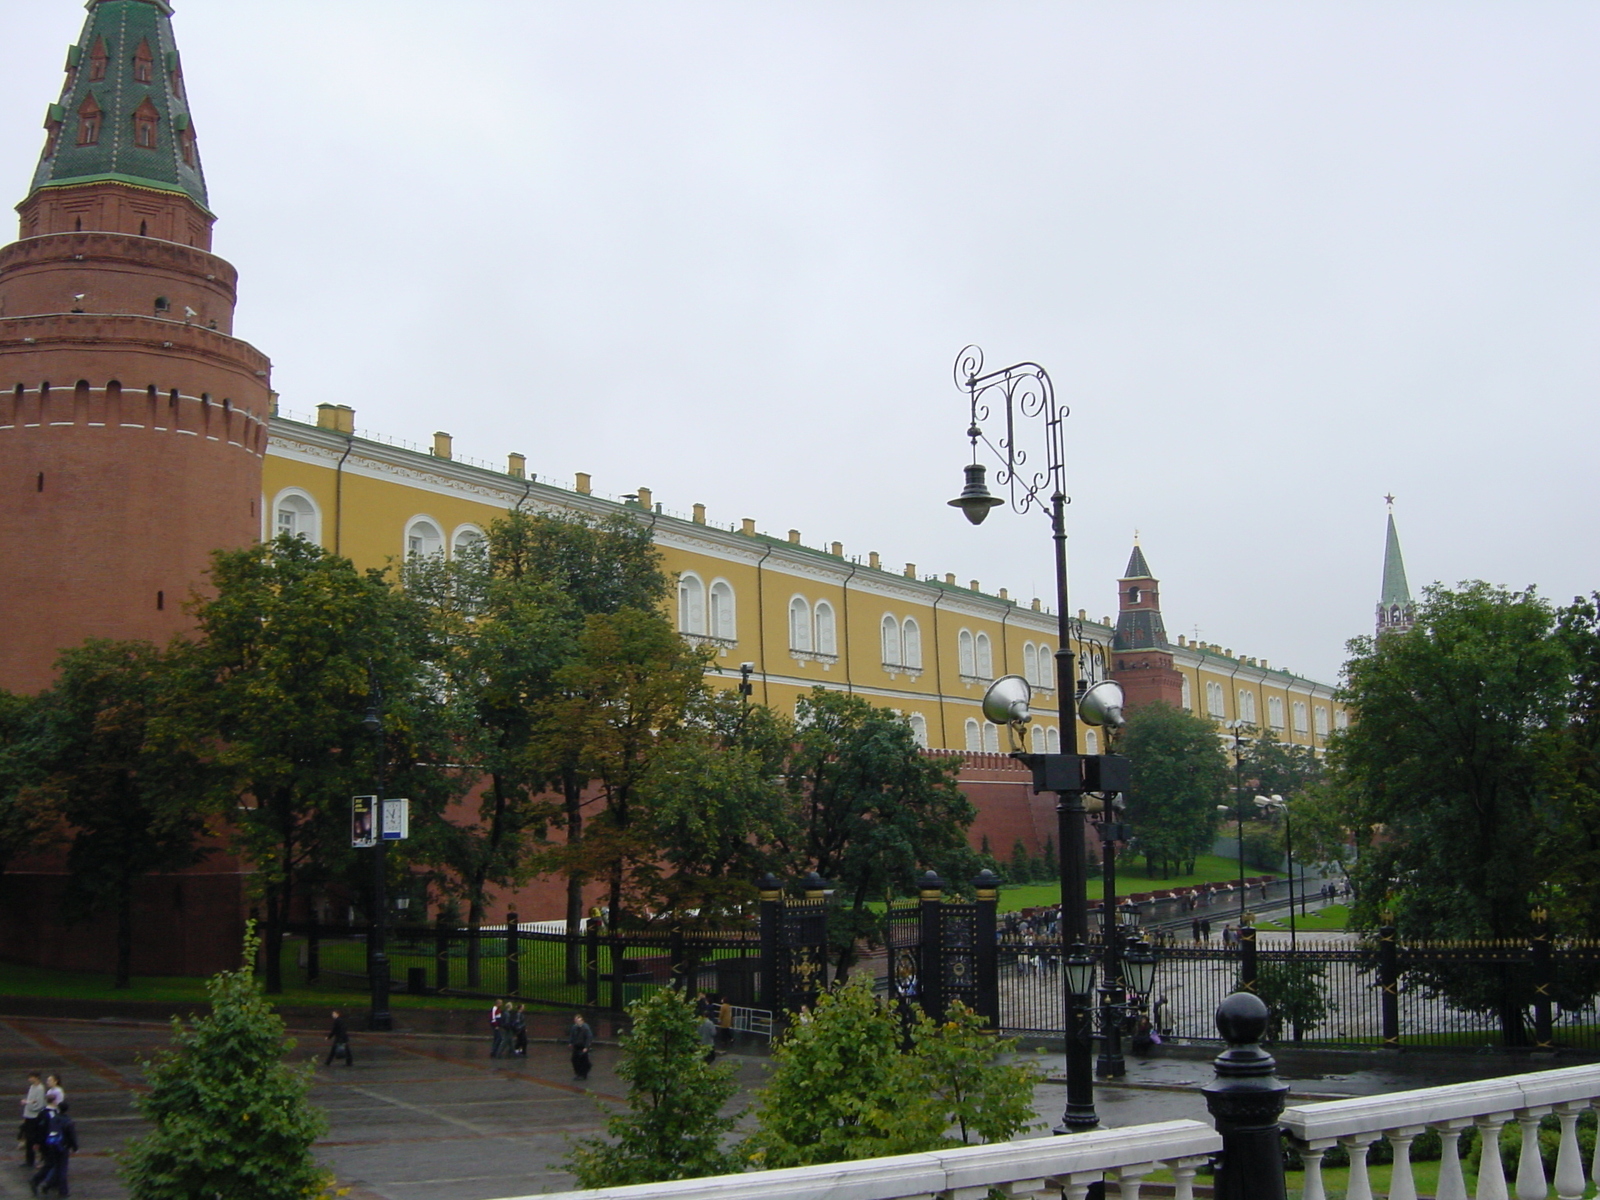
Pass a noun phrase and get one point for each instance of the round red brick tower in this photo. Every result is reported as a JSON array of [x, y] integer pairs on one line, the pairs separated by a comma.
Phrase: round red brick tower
[[132, 422]]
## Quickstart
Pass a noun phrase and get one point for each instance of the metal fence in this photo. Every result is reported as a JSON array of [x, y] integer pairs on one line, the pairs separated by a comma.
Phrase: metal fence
[[1372, 993]]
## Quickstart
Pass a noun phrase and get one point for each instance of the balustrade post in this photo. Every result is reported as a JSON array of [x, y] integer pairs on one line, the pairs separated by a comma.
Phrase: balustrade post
[[1570, 1182], [513, 954], [987, 885], [1402, 1182], [1360, 1184], [1389, 985], [1531, 1183], [1491, 1173], [1311, 1154], [1452, 1184], [1245, 1101], [930, 972]]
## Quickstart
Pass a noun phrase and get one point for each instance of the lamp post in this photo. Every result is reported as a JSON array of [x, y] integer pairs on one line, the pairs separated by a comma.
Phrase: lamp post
[[1277, 803], [1023, 392], [377, 955], [1238, 728]]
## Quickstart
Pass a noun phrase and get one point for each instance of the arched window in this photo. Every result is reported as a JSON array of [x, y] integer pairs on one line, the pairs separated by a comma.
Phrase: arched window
[[723, 623], [1091, 742], [1188, 696], [985, 657], [799, 624], [1275, 711], [911, 643], [423, 538], [468, 539], [1320, 720], [1047, 667], [1214, 706], [1052, 740], [892, 656], [1247, 706], [825, 640], [974, 735], [1030, 663], [1341, 719], [991, 738], [1299, 716], [1036, 739], [294, 512], [691, 604], [965, 652], [919, 729]]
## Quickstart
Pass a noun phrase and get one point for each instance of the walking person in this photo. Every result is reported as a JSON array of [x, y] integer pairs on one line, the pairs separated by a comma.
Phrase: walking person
[[59, 1141], [519, 1031], [32, 1118], [497, 1028], [55, 1096], [708, 1037], [339, 1035], [580, 1037]]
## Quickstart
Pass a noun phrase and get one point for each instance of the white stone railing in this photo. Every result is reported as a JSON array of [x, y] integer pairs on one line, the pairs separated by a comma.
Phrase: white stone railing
[[1400, 1116], [1036, 1167]]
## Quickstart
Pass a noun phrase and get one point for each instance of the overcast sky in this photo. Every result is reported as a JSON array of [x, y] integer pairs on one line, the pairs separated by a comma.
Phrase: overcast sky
[[1280, 259]]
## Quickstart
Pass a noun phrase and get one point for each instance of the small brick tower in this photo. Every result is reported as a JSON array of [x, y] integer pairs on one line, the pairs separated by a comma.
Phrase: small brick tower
[[1141, 656], [132, 422]]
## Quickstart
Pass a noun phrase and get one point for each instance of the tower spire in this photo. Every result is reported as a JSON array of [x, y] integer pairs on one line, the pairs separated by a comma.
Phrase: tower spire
[[1394, 601], [121, 134]]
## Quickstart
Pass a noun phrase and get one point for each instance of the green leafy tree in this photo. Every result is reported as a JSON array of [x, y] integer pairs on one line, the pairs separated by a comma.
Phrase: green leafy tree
[[1296, 992], [1276, 768], [981, 1097], [230, 1118], [1179, 775], [1021, 869], [1450, 758], [673, 1127], [1575, 875], [29, 815], [293, 648], [1321, 834], [872, 810], [132, 797], [840, 1088]]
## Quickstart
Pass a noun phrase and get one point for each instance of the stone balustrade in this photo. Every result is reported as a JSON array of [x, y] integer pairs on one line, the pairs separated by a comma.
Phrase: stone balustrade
[[1035, 1167], [1400, 1117]]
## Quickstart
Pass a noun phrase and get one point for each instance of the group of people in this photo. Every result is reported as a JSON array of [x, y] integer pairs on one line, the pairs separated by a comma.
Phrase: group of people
[[508, 1028], [47, 1138]]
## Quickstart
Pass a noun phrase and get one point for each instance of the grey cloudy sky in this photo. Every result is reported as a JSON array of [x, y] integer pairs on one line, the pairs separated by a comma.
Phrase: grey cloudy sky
[[1279, 258]]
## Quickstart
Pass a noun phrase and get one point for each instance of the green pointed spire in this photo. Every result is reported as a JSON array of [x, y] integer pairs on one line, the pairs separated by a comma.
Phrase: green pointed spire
[[1395, 590], [123, 116], [1137, 567]]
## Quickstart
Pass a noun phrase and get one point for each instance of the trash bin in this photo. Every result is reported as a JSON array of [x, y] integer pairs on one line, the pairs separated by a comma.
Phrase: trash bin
[[417, 980]]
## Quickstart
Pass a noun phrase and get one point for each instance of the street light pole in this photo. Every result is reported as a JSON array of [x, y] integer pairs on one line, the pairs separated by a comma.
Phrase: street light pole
[[1238, 808], [377, 955], [1024, 390], [1278, 804]]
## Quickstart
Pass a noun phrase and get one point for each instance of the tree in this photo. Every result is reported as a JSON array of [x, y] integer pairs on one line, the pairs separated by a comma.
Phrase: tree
[[1296, 991], [1277, 768], [872, 810], [132, 797], [28, 814], [673, 1128], [956, 1057], [840, 1088], [1450, 759], [294, 647], [1321, 835], [1179, 775], [231, 1119]]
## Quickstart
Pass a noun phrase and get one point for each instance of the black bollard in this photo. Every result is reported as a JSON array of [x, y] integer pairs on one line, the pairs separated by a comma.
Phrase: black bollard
[[1245, 1101]]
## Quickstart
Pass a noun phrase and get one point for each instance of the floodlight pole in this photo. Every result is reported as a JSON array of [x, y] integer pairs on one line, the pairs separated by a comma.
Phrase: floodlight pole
[[379, 1017], [1024, 391]]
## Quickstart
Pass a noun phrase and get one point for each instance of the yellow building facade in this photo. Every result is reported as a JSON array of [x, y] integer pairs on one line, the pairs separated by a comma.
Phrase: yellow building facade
[[801, 616]]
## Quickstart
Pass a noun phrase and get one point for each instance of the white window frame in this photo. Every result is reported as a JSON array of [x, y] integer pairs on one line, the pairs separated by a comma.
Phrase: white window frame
[[1091, 742], [919, 729], [1188, 695], [1319, 720], [1047, 667], [722, 611], [1030, 665], [1341, 719], [824, 629], [911, 644], [304, 505], [1298, 712], [1216, 701], [983, 651], [991, 738], [889, 636], [974, 736], [1275, 712], [437, 534], [1052, 740], [471, 533], [966, 659], [800, 625], [691, 604], [1036, 739], [1247, 706]]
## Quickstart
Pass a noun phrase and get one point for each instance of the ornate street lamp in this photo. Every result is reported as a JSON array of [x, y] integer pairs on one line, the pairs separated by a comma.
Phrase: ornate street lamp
[[1015, 396], [1276, 803]]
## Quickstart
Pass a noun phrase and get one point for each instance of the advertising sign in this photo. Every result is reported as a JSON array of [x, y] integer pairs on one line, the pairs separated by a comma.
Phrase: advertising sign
[[363, 821]]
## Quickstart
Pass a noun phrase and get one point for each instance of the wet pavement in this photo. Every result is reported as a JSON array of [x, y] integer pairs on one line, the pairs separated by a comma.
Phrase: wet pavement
[[425, 1114]]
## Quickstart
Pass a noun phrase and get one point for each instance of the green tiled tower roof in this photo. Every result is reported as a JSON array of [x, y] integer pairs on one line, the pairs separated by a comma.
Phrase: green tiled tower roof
[[1395, 590], [1137, 567], [125, 67]]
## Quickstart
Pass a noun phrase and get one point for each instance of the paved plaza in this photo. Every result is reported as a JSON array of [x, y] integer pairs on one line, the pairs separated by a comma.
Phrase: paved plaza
[[425, 1114]]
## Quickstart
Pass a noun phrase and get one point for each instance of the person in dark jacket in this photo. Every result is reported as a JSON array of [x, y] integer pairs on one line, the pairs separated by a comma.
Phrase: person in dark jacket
[[580, 1037], [339, 1035], [519, 1031], [60, 1142]]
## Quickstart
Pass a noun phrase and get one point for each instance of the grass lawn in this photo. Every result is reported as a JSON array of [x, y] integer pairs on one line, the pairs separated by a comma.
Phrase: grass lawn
[[1327, 920], [1208, 868]]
